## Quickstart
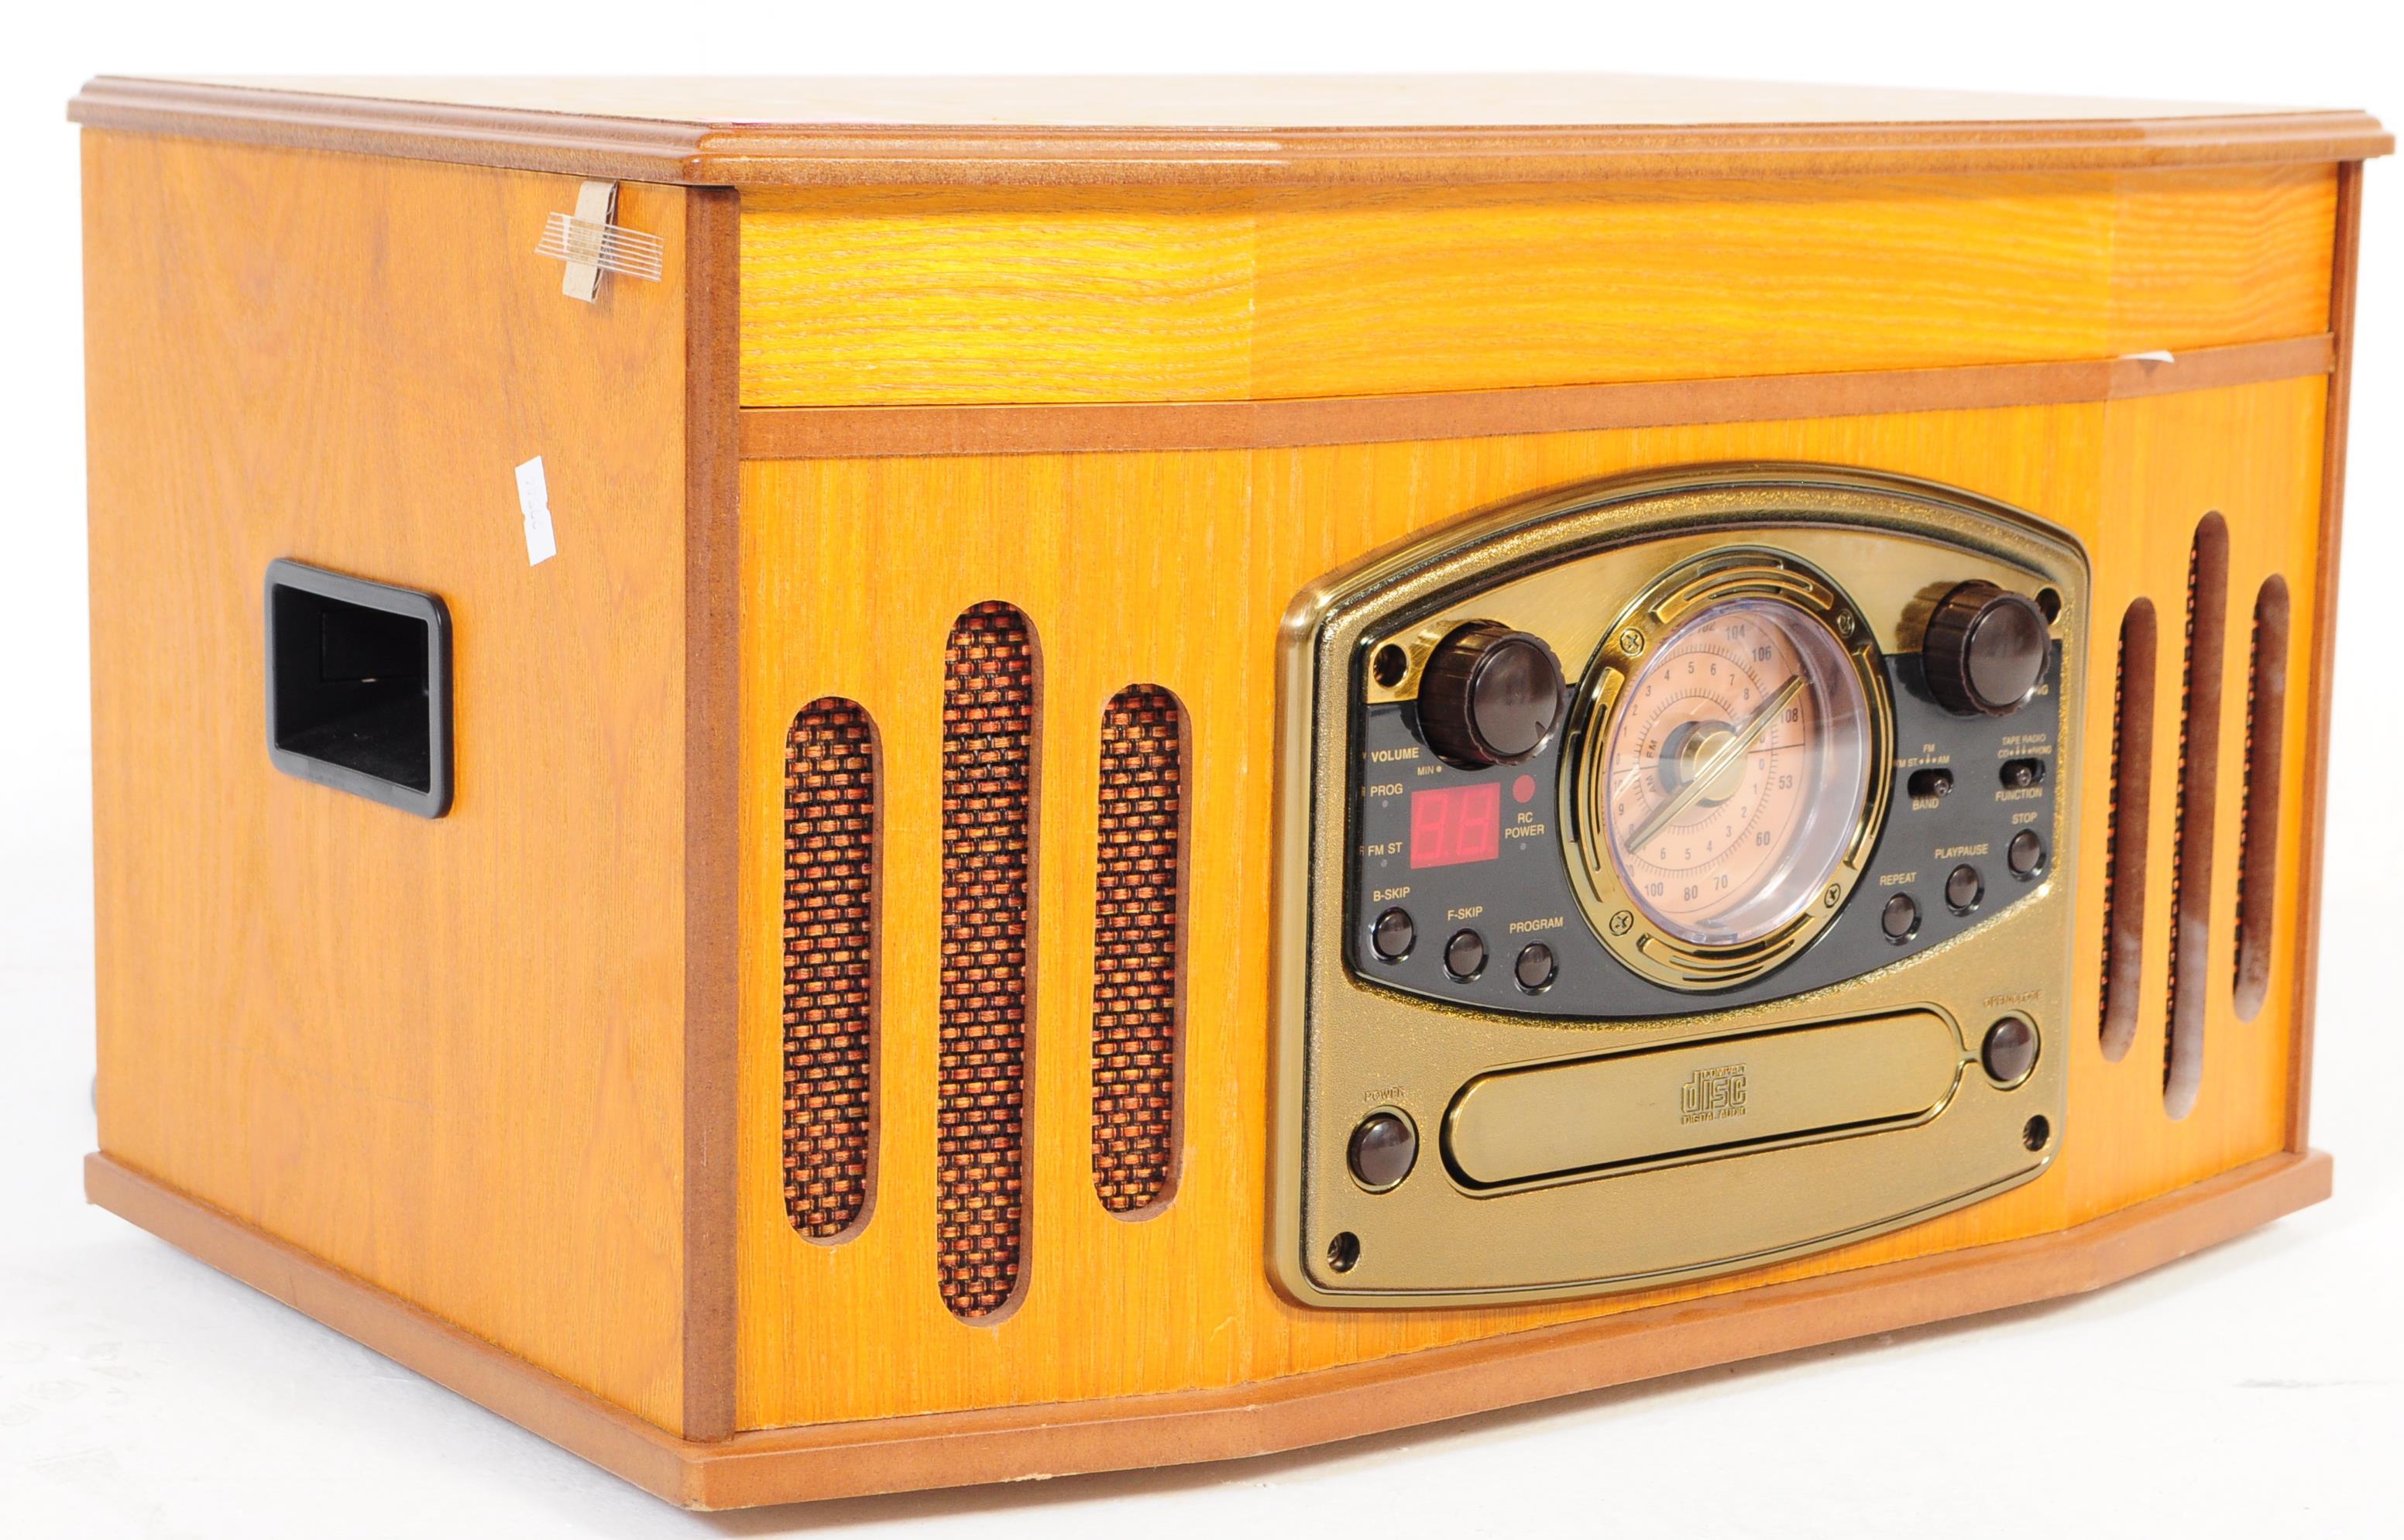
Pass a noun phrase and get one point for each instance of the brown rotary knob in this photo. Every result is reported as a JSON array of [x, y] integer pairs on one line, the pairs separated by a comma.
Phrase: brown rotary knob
[[1490, 696], [1985, 650]]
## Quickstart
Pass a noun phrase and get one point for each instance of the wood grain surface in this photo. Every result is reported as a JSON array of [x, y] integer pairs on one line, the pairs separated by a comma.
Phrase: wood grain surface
[[2162, 473], [447, 1056], [502, 1092], [804, 432], [1259, 132], [712, 791], [1016, 1443], [1173, 568], [971, 295], [2319, 679]]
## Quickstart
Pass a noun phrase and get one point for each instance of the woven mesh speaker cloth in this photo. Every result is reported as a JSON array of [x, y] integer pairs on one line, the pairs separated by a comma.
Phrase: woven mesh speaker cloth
[[981, 1053], [830, 901], [1135, 947]]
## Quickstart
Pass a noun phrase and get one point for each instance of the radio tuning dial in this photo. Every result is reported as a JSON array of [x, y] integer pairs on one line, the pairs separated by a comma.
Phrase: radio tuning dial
[[1490, 696], [1985, 650]]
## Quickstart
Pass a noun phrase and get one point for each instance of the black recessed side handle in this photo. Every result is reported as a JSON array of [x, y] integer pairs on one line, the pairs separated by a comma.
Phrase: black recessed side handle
[[358, 686]]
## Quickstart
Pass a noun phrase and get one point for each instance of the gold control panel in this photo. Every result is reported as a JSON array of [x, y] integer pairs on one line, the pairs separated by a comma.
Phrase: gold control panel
[[1674, 879]]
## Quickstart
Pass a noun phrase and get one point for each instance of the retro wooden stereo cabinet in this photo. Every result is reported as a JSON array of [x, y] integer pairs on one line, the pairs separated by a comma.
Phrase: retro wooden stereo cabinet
[[831, 786]]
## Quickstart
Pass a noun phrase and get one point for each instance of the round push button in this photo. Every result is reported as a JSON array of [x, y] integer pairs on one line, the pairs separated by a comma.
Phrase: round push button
[[1535, 969], [1964, 888], [2025, 855], [1384, 1149], [1900, 918], [1464, 955], [2009, 1052], [1394, 934]]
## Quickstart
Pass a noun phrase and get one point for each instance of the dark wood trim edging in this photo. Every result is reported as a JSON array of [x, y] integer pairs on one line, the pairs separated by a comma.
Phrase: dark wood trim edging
[[2345, 269], [733, 154], [804, 432], [1005, 1443], [712, 800]]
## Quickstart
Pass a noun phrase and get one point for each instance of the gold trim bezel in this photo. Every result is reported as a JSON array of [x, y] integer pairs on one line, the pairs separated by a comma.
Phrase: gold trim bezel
[[1618, 919], [1343, 1043]]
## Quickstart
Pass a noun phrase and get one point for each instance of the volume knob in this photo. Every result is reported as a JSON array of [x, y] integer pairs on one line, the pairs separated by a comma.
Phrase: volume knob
[[1985, 650], [1490, 696]]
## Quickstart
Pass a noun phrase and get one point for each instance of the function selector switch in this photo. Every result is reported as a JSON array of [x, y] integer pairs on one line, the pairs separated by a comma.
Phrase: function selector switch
[[1985, 650], [1490, 696]]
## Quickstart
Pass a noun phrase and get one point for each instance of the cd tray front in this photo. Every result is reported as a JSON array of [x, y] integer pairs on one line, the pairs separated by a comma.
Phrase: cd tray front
[[1696, 1101]]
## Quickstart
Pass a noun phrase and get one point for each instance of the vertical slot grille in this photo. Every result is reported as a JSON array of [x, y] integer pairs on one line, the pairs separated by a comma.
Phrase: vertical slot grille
[[2258, 851], [1139, 859], [2127, 829], [829, 967], [989, 771], [2207, 611]]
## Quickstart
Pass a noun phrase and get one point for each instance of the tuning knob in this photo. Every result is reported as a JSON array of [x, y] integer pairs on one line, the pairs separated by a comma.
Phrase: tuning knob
[[1490, 696], [1985, 650]]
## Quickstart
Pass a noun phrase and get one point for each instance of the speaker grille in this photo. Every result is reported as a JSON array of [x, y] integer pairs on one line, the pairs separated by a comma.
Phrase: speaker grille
[[2257, 849], [2207, 613], [1138, 869], [2128, 828], [989, 686], [830, 967]]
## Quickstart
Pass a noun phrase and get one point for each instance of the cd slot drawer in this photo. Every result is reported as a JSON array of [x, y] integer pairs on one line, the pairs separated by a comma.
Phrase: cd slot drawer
[[1698, 1099]]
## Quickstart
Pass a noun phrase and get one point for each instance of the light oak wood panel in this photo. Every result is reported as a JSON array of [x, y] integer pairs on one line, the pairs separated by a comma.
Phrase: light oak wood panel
[[1173, 569], [2255, 457], [798, 433], [446, 1056], [2321, 665], [1381, 291], [1015, 1443], [963, 296]]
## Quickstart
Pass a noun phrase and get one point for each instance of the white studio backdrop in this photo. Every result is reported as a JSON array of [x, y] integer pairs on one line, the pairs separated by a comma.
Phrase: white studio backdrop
[[2261, 1384]]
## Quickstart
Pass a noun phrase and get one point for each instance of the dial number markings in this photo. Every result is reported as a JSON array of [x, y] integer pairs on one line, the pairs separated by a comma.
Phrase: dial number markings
[[1733, 763]]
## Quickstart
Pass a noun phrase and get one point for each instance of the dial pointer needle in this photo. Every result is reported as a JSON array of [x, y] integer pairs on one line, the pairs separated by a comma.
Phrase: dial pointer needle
[[1739, 741]]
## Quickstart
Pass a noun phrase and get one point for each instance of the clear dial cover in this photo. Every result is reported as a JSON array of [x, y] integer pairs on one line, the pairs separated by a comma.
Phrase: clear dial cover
[[1737, 757]]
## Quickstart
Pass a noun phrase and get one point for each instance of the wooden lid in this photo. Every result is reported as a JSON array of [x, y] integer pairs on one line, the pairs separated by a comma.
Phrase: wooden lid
[[1267, 130]]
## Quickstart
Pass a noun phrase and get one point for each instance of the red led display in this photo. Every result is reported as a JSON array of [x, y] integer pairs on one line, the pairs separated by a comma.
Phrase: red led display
[[1452, 825]]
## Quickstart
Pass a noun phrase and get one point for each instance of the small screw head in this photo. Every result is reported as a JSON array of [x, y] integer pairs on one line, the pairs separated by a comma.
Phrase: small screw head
[[1845, 623], [1622, 923], [1631, 641]]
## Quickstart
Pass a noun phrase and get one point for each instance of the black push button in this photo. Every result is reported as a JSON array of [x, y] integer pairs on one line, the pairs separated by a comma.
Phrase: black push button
[[1535, 969], [1384, 1149], [2020, 774], [1464, 955], [1934, 782], [1900, 918], [1394, 934], [2025, 855], [1964, 888], [2009, 1051]]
